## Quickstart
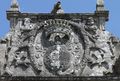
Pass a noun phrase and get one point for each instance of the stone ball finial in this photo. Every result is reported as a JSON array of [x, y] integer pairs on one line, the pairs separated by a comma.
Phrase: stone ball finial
[[100, 5], [14, 5], [100, 2]]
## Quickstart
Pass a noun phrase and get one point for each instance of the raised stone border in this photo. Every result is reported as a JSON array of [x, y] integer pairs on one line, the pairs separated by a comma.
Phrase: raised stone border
[[103, 78]]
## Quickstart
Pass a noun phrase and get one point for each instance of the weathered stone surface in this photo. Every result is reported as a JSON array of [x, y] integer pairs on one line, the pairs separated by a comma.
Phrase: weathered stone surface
[[2, 56], [57, 45]]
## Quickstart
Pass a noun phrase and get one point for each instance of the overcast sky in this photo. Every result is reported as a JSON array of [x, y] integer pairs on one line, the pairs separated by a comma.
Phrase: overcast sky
[[74, 6]]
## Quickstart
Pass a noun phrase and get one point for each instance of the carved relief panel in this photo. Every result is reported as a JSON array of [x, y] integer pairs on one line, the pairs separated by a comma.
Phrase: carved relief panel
[[58, 47]]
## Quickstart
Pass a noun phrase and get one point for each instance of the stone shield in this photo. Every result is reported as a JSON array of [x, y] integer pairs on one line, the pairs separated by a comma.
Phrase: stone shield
[[58, 49]]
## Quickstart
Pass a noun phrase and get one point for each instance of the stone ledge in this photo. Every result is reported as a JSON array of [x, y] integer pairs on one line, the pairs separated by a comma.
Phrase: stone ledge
[[103, 78]]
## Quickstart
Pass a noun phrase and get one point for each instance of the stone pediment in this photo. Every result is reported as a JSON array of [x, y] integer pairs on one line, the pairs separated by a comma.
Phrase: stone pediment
[[59, 45]]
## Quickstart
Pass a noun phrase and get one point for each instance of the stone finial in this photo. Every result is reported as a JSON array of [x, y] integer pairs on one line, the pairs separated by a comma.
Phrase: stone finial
[[14, 5], [57, 8], [100, 2], [100, 5]]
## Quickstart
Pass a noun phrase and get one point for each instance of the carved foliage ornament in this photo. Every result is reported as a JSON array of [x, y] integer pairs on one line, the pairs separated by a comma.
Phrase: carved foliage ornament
[[54, 48]]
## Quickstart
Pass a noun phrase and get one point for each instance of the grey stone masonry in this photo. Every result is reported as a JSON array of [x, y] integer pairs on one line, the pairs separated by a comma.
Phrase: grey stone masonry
[[59, 44]]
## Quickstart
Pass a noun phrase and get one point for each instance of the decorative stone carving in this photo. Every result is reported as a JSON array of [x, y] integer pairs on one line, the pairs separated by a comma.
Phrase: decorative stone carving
[[100, 2], [59, 47], [57, 8], [26, 24], [56, 44]]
